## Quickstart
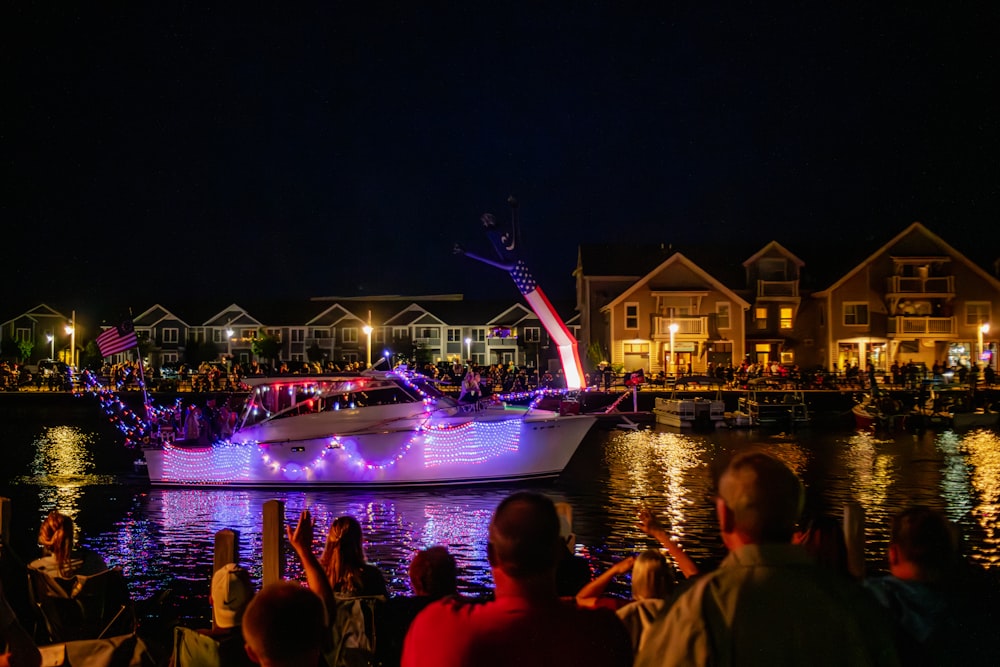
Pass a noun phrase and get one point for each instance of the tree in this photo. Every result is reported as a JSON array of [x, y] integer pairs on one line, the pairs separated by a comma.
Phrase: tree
[[25, 347], [266, 346]]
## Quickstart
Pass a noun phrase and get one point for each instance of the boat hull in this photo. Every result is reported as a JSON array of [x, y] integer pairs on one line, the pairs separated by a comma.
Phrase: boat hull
[[693, 413], [489, 448]]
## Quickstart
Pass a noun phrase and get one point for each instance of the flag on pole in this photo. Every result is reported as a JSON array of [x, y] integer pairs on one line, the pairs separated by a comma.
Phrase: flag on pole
[[117, 339]]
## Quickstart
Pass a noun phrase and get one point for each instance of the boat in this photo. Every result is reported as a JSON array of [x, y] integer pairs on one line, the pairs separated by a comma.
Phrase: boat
[[771, 402], [875, 413], [692, 411], [372, 429]]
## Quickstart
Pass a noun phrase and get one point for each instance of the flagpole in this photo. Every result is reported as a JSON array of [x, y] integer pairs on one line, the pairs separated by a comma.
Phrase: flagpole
[[142, 379]]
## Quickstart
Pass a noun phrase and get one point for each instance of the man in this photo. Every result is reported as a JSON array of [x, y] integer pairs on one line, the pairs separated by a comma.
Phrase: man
[[527, 624], [944, 612], [768, 603], [284, 626]]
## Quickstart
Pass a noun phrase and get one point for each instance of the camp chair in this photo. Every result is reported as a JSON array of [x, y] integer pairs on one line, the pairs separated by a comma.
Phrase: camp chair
[[193, 649], [82, 607]]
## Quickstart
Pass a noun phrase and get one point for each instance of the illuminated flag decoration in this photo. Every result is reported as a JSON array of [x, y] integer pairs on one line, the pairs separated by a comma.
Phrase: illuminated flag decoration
[[564, 340], [117, 339]]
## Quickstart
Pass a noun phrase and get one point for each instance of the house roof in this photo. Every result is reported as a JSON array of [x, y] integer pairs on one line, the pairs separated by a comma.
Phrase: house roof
[[673, 259]]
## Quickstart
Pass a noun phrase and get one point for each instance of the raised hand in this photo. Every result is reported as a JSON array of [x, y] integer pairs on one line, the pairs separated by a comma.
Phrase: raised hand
[[301, 537]]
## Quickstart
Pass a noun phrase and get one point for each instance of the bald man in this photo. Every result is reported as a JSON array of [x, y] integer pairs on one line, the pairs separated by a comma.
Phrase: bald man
[[768, 603], [527, 624]]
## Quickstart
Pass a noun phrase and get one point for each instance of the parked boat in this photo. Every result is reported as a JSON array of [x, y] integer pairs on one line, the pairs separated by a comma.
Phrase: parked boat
[[373, 429], [769, 402], [873, 413], [692, 411]]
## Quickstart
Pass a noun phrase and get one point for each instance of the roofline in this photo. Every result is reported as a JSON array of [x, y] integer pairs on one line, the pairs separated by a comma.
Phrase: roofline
[[677, 257]]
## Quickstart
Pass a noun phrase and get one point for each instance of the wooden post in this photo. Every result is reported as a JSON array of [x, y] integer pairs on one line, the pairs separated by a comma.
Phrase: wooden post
[[854, 537], [227, 548], [273, 542], [6, 512]]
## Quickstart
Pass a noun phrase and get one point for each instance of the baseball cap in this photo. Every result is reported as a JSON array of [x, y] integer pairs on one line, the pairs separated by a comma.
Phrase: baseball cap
[[231, 591]]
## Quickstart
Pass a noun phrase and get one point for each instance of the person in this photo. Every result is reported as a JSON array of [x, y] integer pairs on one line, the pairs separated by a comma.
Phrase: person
[[942, 615], [649, 525], [823, 537], [231, 593], [17, 649], [283, 626], [470, 387], [433, 576], [61, 557], [343, 560], [767, 603], [526, 624], [572, 571]]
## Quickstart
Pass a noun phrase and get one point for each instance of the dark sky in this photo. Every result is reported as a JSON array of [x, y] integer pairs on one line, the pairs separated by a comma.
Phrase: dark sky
[[157, 150]]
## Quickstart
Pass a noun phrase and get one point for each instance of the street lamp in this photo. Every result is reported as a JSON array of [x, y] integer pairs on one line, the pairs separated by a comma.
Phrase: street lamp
[[983, 330], [368, 350], [229, 344], [71, 330], [673, 364], [52, 345], [468, 350]]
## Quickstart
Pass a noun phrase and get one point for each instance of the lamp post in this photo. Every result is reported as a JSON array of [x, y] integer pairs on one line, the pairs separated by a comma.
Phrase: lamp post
[[673, 364], [52, 345], [468, 350], [71, 330], [368, 350], [229, 344], [982, 331]]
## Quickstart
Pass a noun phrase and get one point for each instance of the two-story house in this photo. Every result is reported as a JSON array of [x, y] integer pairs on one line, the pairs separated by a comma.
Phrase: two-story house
[[772, 278]]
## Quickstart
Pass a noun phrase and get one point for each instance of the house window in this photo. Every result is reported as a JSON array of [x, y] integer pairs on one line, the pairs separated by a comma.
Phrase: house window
[[298, 335], [977, 313], [631, 316], [478, 334], [786, 317], [248, 334], [170, 335], [349, 335], [722, 315], [400, 333], [320, 333], [379, 334], [23, 334], [274, 333], [856, 314], [760, 317], [454, 335], [218, 336], [531, 334]]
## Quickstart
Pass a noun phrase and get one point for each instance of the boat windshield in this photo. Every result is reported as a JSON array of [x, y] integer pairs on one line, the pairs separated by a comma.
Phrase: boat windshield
[[293, 398]]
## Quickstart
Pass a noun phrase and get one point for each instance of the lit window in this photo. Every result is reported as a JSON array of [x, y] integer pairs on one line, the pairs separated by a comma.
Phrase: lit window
[[760, 317], [786, 317], [722, 315], [977, 313]]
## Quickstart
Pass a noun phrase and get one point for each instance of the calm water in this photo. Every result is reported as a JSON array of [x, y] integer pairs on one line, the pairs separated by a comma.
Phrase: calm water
[[67, 457]]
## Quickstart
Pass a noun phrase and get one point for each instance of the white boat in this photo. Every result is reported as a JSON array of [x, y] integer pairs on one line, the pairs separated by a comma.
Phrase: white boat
[[769, 402], [372, 429], [692, 411]]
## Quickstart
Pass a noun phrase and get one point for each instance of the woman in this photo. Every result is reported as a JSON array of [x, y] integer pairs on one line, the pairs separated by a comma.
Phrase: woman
[[343, 560], [61, 558]]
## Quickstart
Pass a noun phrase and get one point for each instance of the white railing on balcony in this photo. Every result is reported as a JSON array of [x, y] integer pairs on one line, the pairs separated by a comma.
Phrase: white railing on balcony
[[921, 326], [427, 341], [687, 325], [777, 288], [918, 285]]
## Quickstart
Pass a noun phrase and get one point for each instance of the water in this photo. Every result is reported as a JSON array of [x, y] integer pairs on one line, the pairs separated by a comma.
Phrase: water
[[64, 455]]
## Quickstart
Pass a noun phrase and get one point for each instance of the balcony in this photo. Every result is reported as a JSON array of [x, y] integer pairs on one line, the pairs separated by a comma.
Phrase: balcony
[[928, 327], [928, 286], [690, 326], [427, 342], [777, 289]]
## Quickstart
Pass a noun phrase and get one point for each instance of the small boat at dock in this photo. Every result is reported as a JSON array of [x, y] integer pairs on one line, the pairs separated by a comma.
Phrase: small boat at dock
[[692, 411]]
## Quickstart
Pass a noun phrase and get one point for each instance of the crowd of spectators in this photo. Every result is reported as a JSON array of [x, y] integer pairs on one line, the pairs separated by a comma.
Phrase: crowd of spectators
[[782, 595]]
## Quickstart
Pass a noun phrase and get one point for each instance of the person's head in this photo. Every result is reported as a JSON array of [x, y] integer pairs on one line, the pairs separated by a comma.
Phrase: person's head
[[823, 537], [923, 544], [759, 500], [651, 576], [524, 536], [343, 555], [56, 538], [284, 625], [231, 592], [433, 573]]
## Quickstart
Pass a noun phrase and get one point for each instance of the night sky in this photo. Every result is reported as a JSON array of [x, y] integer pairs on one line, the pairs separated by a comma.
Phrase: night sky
[[168, 150]]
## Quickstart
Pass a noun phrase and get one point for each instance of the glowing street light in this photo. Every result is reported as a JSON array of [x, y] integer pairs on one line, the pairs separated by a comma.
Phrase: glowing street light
[[468, 350], [673, 365], [982, 331], [52, 345], [71, 330], [229, 342], [368, 354]]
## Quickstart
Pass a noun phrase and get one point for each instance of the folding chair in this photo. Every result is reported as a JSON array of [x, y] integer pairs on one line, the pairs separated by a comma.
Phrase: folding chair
[[82, 607]]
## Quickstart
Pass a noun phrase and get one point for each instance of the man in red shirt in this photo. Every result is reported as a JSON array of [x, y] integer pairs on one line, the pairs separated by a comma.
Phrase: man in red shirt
[[527, 624]]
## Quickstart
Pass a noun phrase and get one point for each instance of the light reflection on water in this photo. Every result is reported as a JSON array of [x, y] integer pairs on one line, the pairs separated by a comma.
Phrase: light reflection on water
[[163, 538]]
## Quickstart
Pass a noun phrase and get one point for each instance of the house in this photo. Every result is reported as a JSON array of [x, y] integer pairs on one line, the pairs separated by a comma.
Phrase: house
[[916, 298], [773, 290], [40, 332]]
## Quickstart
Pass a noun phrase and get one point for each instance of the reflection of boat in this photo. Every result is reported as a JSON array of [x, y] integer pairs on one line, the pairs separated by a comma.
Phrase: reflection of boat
[[692, 411], [769, 402], [373, 429]]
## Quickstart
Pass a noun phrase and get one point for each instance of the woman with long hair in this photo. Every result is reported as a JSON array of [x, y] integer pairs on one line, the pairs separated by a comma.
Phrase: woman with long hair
[[343, 560], [60, 555]]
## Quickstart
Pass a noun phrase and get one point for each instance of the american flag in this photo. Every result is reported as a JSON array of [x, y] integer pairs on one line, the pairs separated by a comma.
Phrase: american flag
[[565, 342], [117, 339]]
